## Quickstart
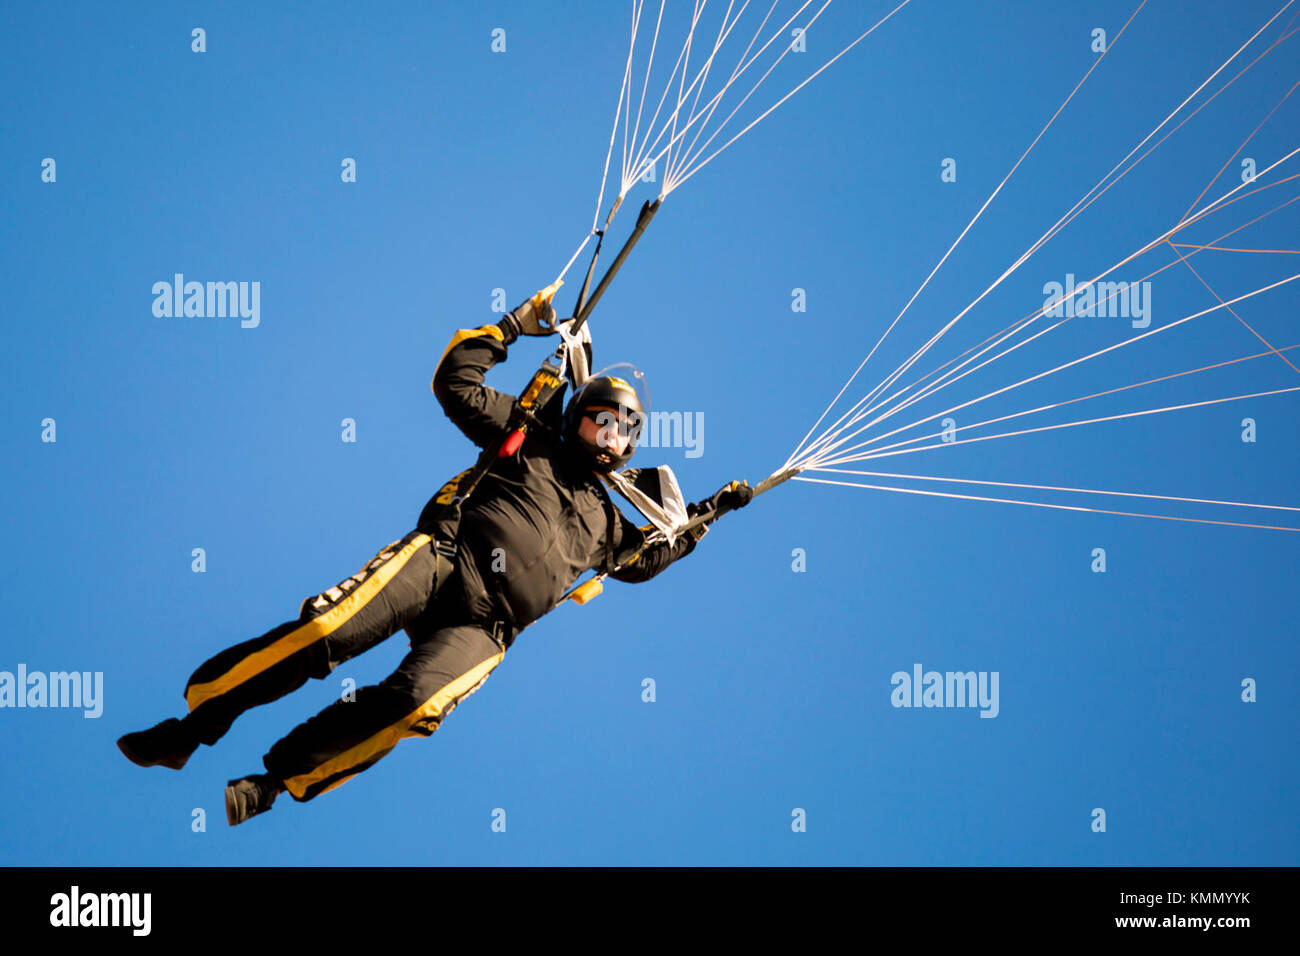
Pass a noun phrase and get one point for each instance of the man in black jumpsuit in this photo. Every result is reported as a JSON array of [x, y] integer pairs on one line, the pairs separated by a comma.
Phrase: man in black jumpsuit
[[538, 520]]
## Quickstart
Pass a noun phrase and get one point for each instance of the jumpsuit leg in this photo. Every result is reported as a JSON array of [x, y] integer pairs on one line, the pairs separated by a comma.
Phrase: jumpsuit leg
[[332, 627], [349, 736]]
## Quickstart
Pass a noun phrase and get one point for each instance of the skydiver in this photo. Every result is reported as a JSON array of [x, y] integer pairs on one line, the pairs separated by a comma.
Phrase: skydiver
[[537, 520]]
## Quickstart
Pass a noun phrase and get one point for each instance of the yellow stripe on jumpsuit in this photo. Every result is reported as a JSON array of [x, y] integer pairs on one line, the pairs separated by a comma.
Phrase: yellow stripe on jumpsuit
[[451, 657]]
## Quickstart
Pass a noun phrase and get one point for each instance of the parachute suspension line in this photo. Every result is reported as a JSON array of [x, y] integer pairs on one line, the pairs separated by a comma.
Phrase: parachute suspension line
[[638, 165], [885, 383], [677, 131], [939, 384], [1080, 209], [704, 79], [604, 176], [825, 455], [632, 168], [697, 166], [892, 377], [1069, 215], [613, 133], [576, 252], [670, 186], [690, 38], [1287, 32], [671, 183], [1066, 221], [824, 459], [717, 96], [627, 90], [734, 73], [1236, 152], [1190, 245], [1025, 320], [1234, 314], [625, 181], [826, 443], [1042, 504], [880, 453], [1017, 326], [1082, 491], [1073, 401]]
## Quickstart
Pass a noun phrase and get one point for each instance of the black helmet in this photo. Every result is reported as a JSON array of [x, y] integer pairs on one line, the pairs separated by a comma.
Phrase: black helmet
[[610, 391]]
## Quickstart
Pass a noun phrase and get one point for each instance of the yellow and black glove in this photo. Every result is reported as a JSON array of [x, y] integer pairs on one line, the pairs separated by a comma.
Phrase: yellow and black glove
[[534, 316], [732, 495]]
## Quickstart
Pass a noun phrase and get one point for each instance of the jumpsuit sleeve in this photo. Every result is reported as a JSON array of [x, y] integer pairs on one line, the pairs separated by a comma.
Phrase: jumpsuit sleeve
[[653, 559], [482, 413]]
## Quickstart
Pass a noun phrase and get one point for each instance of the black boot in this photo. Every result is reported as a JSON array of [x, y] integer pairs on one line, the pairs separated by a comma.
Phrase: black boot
[[250, 796], [166, 745]]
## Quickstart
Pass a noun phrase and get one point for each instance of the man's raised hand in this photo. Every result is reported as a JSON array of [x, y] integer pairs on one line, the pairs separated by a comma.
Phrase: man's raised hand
[[536, 315]]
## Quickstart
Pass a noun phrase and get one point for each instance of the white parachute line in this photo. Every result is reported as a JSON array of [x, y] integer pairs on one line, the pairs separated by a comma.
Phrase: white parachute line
[[1191, 245], [671, 121], [627, 93], [1082, 491], [696, 167], [1070, 217], [938, 385], [717, 96], [708, 65], [1075, 213], [825, 455], [761, 79], [1020, 324], [644, 86], [1064, 219], [637, 163], [713, 102], [1211, 207], [1084, 398], [613, 133], [1033, 378], [956, 242], [690, 38], [870, 455], [577, 252], [832, 440], [743, 64], [1287, 32], [1040, 504], [1233, 312], [734, 72]]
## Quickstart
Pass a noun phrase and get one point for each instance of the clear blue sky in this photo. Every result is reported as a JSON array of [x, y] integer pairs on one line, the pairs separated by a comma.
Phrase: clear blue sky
[[479, 170]]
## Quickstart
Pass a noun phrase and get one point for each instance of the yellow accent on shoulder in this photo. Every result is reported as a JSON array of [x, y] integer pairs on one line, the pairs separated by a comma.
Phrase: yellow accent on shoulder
[[460, 336]]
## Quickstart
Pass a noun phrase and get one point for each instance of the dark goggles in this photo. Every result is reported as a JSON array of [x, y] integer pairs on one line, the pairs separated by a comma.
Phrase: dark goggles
[[628, 422]]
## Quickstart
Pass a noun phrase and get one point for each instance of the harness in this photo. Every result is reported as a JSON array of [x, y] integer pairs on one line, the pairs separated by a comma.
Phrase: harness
[[441, 517]]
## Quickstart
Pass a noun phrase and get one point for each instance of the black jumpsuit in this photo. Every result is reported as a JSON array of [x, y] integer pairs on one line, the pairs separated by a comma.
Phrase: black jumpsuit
[[536, 522]]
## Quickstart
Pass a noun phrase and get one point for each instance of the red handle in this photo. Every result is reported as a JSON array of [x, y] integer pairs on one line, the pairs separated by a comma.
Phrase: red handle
[[511, 444]]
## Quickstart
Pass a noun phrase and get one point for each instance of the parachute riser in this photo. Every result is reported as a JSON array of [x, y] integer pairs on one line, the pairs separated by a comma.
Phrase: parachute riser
[[587, 305]]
